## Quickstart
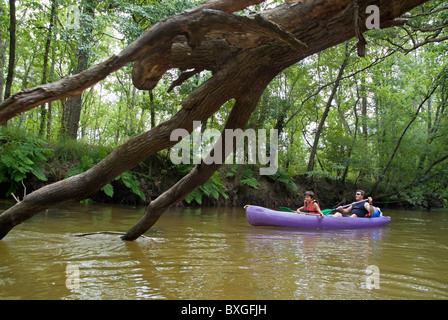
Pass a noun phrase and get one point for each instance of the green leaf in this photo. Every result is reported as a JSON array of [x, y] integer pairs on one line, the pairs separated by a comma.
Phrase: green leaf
[[130, 181], [108, 189], [37, 171], [248, 179], [195, 195]]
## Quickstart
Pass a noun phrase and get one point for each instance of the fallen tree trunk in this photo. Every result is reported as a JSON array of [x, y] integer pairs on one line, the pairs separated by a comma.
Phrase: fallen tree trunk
[[243, 52]]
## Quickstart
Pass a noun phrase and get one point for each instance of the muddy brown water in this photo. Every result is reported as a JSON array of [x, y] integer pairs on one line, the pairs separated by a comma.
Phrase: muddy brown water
[[213, 253]]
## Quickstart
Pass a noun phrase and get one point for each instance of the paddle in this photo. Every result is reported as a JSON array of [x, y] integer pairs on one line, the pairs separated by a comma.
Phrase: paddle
[[324, 211], [328, 211], [285, 209]]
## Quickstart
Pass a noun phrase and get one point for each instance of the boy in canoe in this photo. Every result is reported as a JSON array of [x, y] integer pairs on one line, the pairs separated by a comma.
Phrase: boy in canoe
[[310, 205]]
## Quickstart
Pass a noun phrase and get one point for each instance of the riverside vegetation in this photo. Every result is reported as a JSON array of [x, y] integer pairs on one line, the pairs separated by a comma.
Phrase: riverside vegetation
[[28, 162]]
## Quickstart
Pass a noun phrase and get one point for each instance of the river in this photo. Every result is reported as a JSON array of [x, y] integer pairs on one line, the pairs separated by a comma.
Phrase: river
[[213, 253]]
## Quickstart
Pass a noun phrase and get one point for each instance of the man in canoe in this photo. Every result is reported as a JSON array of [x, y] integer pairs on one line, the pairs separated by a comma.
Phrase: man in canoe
[[310, 205], [359, 209]]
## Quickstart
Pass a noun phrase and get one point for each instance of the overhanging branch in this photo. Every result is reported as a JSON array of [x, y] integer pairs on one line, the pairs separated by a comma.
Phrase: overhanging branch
[[153, 39], [248, 26]]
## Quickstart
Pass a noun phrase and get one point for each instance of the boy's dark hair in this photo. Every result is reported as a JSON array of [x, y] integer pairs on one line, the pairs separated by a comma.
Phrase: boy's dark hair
[[362, 192], [310, 193]]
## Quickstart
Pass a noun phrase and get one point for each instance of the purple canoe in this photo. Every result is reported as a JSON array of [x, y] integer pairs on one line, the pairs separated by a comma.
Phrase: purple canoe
[[259, 216]]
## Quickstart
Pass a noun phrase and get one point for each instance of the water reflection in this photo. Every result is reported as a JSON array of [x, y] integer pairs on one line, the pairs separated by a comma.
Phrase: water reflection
[[194, 259], [313, 264], [215, 254]]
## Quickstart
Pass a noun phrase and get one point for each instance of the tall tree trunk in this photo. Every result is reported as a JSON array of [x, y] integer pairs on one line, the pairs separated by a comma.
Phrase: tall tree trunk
[[363, 106], [3, 46], [242, 67], [50, 111], [70, 125], [43, 109], [12, 47], [327, 110], [152, 109]]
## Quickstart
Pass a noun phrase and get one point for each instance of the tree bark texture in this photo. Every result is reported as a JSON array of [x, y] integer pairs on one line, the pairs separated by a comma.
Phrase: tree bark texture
[[43, 109], [73, 107], [244, 53]]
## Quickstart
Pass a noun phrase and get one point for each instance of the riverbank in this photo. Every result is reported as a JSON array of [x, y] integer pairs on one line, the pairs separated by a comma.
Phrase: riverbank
[[234, 187], [28, 163]]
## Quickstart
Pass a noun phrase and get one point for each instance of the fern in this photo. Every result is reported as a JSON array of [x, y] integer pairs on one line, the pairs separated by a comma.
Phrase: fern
[[195, 195], [247, 178], [213, 187], [284, 177], [21, 155], [130, 180]]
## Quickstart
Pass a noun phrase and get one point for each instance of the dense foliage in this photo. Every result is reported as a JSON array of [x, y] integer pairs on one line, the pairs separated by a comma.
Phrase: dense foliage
[[384, 122]]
